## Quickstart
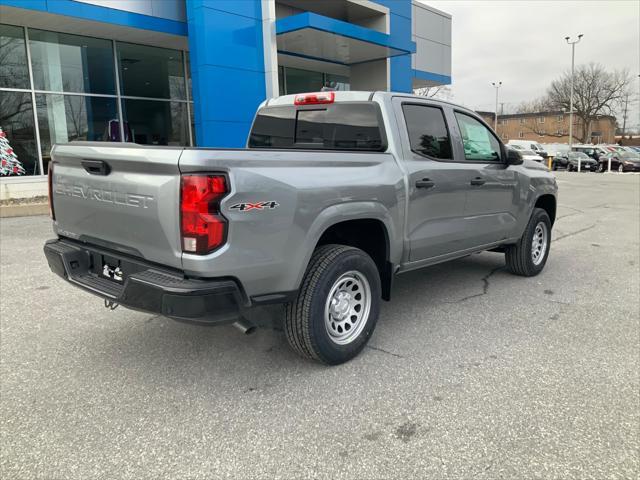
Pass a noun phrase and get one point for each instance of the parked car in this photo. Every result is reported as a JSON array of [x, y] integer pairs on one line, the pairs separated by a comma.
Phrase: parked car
[[530, 155], [589, 150], [569, 160], [621, 161], [336, 194], [529, 145]]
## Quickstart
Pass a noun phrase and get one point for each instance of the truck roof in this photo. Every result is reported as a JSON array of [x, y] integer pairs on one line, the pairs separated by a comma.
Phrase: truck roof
[[354, 96]]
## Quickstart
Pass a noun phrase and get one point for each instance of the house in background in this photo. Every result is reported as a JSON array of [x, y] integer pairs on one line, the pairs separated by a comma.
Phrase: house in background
[[550, 127]]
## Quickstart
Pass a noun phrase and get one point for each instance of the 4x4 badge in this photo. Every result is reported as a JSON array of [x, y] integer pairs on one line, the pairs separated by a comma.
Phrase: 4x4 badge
[[245, 207]]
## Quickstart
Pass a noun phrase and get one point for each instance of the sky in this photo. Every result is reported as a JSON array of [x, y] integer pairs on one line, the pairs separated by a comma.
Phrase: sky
[[521, 43]]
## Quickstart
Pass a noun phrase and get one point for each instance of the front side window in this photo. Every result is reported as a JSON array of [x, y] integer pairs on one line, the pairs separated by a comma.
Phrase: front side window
[[479, 143], [428, 134]]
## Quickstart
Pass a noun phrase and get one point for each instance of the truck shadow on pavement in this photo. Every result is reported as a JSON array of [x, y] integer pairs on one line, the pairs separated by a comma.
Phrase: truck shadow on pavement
[[416, 298]]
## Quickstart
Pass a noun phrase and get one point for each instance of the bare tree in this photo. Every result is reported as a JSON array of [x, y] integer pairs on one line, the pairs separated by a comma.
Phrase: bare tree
[[441, 92], [596, 92]]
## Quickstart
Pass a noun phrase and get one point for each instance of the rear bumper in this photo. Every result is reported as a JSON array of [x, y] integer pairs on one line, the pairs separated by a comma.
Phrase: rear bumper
[[146, 287]]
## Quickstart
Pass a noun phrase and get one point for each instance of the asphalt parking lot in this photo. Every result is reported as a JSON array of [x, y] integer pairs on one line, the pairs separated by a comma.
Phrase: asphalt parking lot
[[471, 373]]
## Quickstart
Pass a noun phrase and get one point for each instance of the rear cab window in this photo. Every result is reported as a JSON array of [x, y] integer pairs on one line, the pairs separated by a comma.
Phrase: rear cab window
[[354, 126]]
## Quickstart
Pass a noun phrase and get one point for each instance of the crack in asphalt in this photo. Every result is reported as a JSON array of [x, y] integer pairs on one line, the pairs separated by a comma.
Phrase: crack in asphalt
[[485, 286], [377, 349], [571, 234], [571, 208]]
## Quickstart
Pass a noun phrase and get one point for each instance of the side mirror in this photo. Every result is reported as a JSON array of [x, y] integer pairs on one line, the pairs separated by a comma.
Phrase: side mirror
[[513, 157]]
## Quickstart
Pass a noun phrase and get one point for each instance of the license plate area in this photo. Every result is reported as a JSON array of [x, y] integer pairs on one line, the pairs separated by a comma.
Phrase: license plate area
[[111, 268]]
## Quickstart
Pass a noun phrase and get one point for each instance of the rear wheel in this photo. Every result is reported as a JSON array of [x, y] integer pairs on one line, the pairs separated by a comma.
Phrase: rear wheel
[[336, 310], [529, 256], [569, 168]]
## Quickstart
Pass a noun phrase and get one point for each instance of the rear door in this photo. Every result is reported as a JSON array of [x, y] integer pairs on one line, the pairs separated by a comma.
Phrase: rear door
[[124, 197], [437, 184]]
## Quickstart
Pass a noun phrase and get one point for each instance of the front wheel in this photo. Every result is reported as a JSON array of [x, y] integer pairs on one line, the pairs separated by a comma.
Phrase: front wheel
[[601, 167], [337, 307], [528, 257], [569, 168], [620, 168]]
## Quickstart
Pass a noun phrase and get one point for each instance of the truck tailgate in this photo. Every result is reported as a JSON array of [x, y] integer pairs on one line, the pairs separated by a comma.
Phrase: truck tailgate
[[124, 197]]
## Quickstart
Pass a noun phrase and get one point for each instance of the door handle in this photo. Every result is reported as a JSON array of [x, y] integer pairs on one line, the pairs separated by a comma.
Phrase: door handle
[[425, 183], [478, 181], [96, 167]]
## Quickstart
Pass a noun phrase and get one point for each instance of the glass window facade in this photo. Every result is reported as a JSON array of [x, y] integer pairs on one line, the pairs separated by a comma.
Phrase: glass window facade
[[151, 72], [295, 80], [14, 72], [56, 88], [70, 63]]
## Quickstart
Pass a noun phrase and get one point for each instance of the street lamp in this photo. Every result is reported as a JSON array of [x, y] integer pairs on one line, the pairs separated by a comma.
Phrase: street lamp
[[495, 119], [573, 58]]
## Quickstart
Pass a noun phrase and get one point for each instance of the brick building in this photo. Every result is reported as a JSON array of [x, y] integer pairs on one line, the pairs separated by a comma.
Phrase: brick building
[[550, 127]]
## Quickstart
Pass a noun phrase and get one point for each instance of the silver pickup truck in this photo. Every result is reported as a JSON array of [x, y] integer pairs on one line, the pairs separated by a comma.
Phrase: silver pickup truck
[[335, 195]]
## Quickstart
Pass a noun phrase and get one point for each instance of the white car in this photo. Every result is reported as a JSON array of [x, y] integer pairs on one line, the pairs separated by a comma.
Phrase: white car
[[529, 154]]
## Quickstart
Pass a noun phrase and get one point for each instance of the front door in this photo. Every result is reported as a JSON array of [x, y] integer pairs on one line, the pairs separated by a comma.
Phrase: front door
[[491, 201], [437, 184]]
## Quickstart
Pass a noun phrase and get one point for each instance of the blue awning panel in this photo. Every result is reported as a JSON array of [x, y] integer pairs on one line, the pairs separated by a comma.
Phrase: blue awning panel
[[322, 38]]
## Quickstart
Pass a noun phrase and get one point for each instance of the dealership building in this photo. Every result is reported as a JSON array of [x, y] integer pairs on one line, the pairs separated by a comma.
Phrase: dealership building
[[192, 72]]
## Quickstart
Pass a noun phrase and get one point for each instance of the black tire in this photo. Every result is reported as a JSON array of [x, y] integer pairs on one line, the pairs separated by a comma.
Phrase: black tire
[[569, 167], [519, 256], [620, 168], [554, 166], [601, 168], [304, 321]]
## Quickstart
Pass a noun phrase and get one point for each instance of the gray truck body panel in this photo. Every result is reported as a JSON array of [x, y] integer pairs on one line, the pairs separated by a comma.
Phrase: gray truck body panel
[[135, 208]]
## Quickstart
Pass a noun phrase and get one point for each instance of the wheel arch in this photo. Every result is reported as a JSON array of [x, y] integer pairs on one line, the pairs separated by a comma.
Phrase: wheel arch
[[548, 203]]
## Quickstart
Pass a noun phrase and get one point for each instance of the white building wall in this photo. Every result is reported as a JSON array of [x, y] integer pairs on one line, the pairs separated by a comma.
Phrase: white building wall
[[169, 9], [431, 30]]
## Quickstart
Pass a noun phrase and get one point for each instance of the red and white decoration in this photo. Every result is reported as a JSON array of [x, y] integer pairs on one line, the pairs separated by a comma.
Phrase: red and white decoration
[[9, 163]]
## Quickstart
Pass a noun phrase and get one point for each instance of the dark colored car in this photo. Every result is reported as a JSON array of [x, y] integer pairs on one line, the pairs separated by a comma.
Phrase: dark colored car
[[569, 160], [620, 161], [590, 151]]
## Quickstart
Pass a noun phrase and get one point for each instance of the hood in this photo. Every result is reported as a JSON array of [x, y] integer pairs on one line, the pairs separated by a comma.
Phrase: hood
[[533, 165]]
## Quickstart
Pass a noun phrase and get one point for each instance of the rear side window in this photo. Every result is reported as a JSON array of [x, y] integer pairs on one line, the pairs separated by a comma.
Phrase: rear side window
[[339, 126], [428, 134]]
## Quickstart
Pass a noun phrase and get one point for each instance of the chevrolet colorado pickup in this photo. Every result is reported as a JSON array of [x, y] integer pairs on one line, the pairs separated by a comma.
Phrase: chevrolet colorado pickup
[[335, 195]]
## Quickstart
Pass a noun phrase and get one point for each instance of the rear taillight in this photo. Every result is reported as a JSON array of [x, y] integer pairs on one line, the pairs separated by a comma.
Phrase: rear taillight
[[314, 98], [50, 181], [203, 227]]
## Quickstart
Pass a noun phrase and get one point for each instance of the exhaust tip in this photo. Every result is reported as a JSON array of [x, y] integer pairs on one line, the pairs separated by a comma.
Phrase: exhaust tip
[[245, 326]]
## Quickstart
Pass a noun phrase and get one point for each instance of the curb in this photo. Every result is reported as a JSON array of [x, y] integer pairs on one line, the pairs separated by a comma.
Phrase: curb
[[25, 210]]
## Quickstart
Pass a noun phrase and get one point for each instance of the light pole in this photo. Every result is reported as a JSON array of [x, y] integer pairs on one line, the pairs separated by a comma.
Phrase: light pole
[[573, 58], [495, 119]]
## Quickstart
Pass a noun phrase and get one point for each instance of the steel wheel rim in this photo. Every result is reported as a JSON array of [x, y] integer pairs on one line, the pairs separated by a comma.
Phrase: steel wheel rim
[[347, 308], [620, 169], [539, 243]]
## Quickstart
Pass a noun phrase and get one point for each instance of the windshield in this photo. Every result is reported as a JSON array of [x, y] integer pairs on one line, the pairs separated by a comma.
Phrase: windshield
[[527, 152]]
